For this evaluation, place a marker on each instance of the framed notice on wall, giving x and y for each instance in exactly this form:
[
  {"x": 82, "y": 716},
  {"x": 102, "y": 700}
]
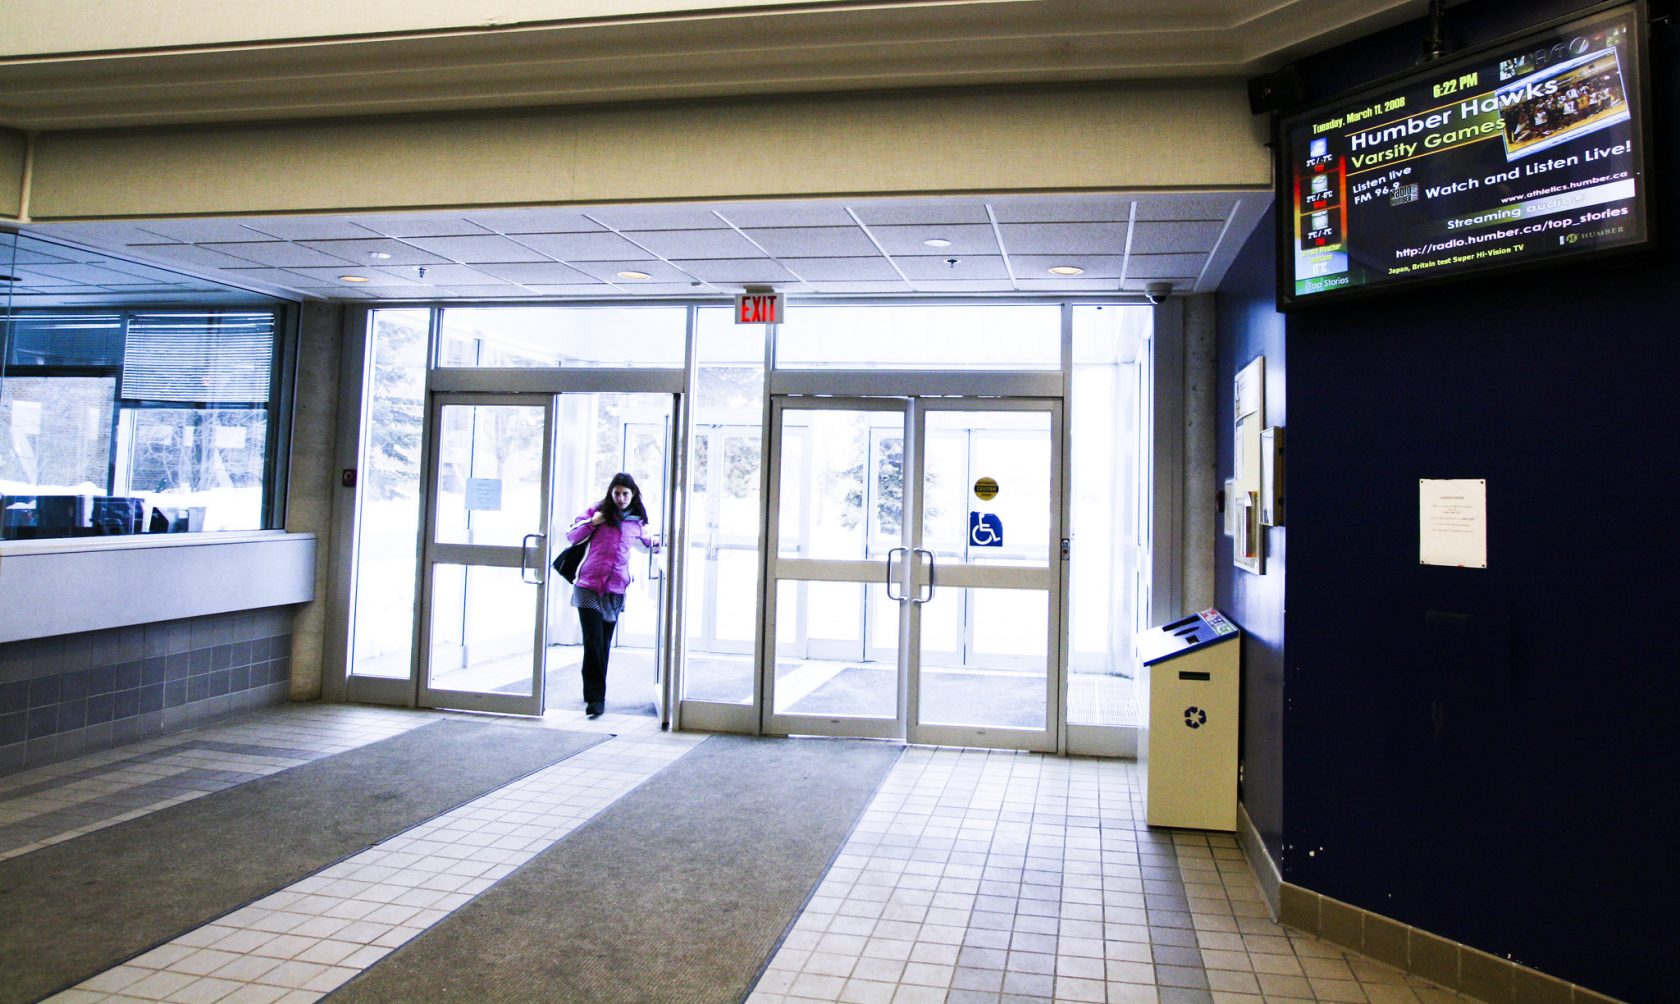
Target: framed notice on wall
[{"x": 1248, "y": 542}]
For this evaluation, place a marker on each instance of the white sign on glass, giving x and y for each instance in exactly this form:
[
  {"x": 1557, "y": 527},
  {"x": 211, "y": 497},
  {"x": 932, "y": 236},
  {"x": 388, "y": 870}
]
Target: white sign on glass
[{"x": 484, "y": 494}]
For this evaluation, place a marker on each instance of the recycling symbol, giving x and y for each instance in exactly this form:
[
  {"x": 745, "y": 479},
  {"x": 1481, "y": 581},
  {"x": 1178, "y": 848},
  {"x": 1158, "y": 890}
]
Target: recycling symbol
[{"x": 1194, "y": 717}]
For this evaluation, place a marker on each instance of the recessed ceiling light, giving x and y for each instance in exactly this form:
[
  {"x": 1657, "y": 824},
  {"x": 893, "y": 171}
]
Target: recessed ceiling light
[
  {"x": 1066, "y": 269},
  {"x": 354, "y": 278},
  {"x": 378, "y": 255},
  {"x": 936, "y": 242},
  {"x": 634, "y": 275}
]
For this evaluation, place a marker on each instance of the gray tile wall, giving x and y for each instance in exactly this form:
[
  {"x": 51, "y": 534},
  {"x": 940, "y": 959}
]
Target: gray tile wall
[{"x": 61, "y": 697}]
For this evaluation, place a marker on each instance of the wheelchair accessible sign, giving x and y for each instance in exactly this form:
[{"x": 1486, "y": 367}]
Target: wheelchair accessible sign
[{"x": 985, "y": 529}]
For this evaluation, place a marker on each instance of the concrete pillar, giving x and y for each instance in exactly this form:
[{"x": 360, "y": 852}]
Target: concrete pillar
[
  {"x": 1201, "y": 467},
  {"x": 310, "y": 485}
]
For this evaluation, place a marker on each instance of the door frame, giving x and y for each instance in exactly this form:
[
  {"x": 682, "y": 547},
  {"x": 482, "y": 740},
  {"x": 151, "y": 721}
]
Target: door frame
[
  {"x": 1050, "y": 580},
  {"x": 914, "y": 576},
  {"x": 864, "y": 571},
  {"x": 434, "y": 554},
  {"x": 528, "y": 386}
]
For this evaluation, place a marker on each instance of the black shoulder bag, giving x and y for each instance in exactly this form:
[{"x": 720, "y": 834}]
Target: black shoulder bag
[{"x": 569, "y": 560}]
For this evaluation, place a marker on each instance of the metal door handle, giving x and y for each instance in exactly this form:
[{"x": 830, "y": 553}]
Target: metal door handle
[
  {"x": 525, "y": 570},
  {"x": 890, "y": 554},
  {"x": 929, "y": 596}
]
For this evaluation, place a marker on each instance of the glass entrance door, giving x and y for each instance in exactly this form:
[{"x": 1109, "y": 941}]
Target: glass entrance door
[
  {"x": 486, "y": 551},
  {"x": 604, "y": 433},
  {"x": 914, "y": 586},
  {"x": 986, "y": 630}
]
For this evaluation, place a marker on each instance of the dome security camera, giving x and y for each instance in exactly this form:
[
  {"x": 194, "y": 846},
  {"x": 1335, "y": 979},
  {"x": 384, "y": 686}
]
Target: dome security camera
[{"x": 1157, "y": 292}]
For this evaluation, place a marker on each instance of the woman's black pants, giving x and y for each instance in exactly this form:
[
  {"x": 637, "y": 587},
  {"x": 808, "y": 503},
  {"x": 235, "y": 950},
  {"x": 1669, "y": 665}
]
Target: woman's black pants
[{"x": 597, "y": 642}]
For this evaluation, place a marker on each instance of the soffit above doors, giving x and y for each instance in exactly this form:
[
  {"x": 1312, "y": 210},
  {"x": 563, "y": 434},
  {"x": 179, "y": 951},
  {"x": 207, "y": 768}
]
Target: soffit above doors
[{"x": 1002, "y": 245}]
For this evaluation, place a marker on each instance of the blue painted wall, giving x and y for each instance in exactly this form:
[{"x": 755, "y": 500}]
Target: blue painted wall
[
  {"x": 1250, "y": 326},
  {"x": 1484, "y": 754}
]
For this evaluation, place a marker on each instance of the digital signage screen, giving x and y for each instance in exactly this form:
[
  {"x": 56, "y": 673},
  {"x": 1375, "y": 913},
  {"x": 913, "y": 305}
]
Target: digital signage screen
[{"x": 1519, "y": 153}]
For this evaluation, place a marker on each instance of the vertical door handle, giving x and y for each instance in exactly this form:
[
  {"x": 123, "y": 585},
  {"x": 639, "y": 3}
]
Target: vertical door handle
[
  {"x": 929, "y": 596},
  {"x": 525, "y": 570},
  {"x": 896, "y": 550}
]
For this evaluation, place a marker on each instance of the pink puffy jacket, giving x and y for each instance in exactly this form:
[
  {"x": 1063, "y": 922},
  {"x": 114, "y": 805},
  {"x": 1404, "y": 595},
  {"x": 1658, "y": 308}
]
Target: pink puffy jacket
[{"x": 606, "y": 567}]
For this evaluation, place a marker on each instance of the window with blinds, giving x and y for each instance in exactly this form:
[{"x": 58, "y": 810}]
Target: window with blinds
[{"x": 209, "y": 356}]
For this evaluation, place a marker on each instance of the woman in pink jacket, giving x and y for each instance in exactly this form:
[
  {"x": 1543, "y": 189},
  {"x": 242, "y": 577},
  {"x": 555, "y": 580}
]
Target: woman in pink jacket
[{"x": 611, "y": 525}]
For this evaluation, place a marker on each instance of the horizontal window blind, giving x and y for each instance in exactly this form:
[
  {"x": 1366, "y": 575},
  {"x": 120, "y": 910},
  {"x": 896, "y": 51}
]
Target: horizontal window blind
[{"x": 209, "y": 356}]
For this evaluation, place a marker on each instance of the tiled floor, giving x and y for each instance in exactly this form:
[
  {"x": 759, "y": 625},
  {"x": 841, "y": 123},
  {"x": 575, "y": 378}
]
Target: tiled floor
[{"x": 973, "y": 877}]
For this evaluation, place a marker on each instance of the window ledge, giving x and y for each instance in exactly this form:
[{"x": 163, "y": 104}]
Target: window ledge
[
  {"x": 116, "y": 542},
  {"x": 69, "y": 585}
]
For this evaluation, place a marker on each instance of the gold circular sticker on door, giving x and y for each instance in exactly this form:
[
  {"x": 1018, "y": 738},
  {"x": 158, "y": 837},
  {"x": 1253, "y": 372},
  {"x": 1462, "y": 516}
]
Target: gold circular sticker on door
[{"x": 986, "y": 489}]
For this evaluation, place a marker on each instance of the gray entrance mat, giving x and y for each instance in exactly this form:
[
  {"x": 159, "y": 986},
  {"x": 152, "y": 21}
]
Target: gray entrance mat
[
  {"x": 72, "y": 910},
  {"x": 679, "y": 891}
]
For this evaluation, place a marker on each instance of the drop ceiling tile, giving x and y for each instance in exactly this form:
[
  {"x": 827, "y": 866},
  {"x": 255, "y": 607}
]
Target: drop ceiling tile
[
  {"x": 736, "y": 271},
  {"x": 280, "y": 254},
  {"x": 340, "y": 292},
  {"x": 881, "y": 286},
  {"x": 65, "y": 272},
  {"x": 277, "y": 276},
  {"x": 601, "y": 246},
  {"x": 44, "y": 284},
  {"x": 190, "y": 255},
  {"x": 309, "y": 228},
  {"x": 546, "y": 220},
  {"x": 920, "y": 268},
  {"x": 330, "y": 276},
  {"x": 1063, "y": 238},
  {"x": 626, "y": 218},
  {"x": 1185, "y": 207},
  {"x": 1051, "y": 283},
  {"x": 1096, "y": 266},
  {"x": 397, "y": 292},
  {"x": 592, "y": 290},
  {"x": 823, "y": 270},
  {"x": 480, "y": 291},
  {"x": 788, "y": 214},
  {"x": 478, "y": 250},
  {"x": 1171, "y": 238},
  {"x": 963, "y": 286},
  {"x": 673, "y": 244},
  {"x": 361, "y": 251},
  {"x": 1180, "y": 283},
  {"x": 965, "y": 238},
  {"x": 149, "y": 288},
  {"x": 113, "y": 235},
  {"x": 419, "y": 225},
  {"x": 607, "y": 271},
  {"x": 814, "y": 242},
  {"x": 27, "y": 252},
  {"x": 1159, "y": 266},
  {"x": 1063, "y": 209},
  {"x": 201, "y": 231},
  {"x": 887, "y": 212},
  {"x": 664, "y": 289},
  {"x": 441, "y": 275},
  {"x": 528, "y": 272},
  {"x": 150, "y": 273}
]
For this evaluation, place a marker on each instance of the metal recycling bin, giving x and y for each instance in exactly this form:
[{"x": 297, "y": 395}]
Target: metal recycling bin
[{"x": 1188, "y": 746}]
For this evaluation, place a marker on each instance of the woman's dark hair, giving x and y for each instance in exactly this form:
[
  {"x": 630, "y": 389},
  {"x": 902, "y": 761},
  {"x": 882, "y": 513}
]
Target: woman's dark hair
[{"x": 608, "y": 508}]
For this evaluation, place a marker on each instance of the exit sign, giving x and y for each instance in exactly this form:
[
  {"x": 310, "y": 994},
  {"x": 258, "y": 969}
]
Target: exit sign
[{"x": 758, "y": 308}]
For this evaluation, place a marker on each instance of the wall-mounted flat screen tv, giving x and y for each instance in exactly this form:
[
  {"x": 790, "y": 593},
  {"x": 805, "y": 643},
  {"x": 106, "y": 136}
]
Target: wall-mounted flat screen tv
[{"x": 1524, "y": 152}]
